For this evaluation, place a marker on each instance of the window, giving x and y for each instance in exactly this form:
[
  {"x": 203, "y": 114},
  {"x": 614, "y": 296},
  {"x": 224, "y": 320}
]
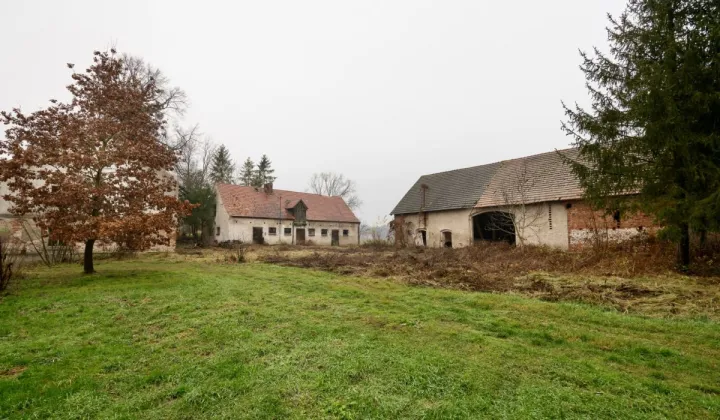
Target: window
[
  {"x": 550, "y": 216},
  {"x": 288, "y": 231},
  {"x": 616, "y": 218},
  {"x": 311, "y": 232},
  {"x": 346, "y": 232},
  {"x": 323, "y": 232},
  {"x": 217, "y": 231},
  {"x": 272, "y": 231}
]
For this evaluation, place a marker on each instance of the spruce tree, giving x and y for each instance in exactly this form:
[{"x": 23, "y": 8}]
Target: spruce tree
[
  {"x": 651, "y": 140},
  {"x": 222, "y": 166},
  {"x": 247, "y": 173},
  {"x": 263, "y": 173}
]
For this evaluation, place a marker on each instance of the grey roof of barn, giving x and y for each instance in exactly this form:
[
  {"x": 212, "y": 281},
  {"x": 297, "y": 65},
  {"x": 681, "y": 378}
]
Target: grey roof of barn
[{"x": 549, "y": 177}]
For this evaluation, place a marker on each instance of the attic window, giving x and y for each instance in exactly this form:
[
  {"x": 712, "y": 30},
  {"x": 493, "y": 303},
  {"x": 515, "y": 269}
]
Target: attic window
[
  {"x": 311, "y": 232},
  {"x": 288, "y": 231}
]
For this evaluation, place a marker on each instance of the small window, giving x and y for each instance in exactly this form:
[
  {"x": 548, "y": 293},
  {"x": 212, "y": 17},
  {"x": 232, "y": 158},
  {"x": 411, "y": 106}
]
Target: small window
[
  {"x": 346, "y": 232},
  {"x": 288, "y": 231},
  {"x": 272, "y": 231},
  {"x": 217, "y": 231},
  {"x": 311, "y": 232},
  {"x": 323, "y": 232}
]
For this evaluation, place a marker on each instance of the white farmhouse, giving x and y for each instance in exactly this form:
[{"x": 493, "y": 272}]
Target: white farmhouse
[{"x": 266, "y": 215}]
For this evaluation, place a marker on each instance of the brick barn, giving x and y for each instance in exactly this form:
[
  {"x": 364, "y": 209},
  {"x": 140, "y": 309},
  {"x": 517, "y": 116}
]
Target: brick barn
[{"x": 533, "y": 200}]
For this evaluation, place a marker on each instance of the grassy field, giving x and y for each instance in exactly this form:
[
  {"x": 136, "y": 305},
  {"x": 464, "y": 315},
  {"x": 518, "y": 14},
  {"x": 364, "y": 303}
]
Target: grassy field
[{"x": 164, "y": 338}]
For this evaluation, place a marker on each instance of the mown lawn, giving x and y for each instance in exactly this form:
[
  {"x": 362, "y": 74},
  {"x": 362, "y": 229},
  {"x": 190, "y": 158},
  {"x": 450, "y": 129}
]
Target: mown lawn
[{"x": 160, "y": 338}]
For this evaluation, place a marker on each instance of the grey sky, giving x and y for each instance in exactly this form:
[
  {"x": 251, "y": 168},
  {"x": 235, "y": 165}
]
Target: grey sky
[{"x": 382, "y": 91}]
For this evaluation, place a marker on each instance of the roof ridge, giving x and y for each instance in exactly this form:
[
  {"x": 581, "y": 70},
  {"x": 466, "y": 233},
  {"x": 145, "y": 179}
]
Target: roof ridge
[
  {"x": 499, "y": 161},
  {"x": 259, "y": 189}
]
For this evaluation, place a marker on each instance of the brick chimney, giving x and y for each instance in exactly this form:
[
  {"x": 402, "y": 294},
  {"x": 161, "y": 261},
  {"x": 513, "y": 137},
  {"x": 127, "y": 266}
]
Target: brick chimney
[{"x": 268, "y": 188}]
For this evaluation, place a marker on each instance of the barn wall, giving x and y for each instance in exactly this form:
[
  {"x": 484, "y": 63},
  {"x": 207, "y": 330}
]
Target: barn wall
[
  {"x": 587, "y": 226},
  {"x": 456, "y": 221},
  {"x": 537, "y": 230},
  {"x": 544, "y": 224}
]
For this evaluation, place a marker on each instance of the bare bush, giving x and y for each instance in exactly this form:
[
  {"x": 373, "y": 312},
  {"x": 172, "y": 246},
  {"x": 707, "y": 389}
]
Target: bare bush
[
  {"x": 236, "y": 253},
  {"x": 50, "y": 250}
]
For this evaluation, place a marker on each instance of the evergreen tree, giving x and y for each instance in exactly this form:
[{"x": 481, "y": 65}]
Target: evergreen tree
[
  {"x": 247, "y": 173},
  {"x": 263, "y": 173},
  {"x": 654, "y": 125},
  {"x": 222, "y": 166}
]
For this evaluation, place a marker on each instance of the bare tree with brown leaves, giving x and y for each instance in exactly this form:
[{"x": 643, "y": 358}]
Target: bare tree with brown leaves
[{"x": 105, "y": 173}]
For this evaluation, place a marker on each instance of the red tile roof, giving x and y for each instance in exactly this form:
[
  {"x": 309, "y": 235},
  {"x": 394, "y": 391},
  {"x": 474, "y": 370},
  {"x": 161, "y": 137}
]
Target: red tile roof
[{"x": 240, "y": 201}]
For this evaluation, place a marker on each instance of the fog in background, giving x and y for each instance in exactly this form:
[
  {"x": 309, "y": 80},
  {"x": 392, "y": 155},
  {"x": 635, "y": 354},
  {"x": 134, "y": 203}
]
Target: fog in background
[{"x": 381, "y": 91}]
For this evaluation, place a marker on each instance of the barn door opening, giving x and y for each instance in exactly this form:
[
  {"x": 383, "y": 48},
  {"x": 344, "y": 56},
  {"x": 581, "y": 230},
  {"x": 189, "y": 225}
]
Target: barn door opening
[
  {"x": 494, "y": 226},
  {"x": 335, "y": 237},
  {"x": 258, "y": 235},
  {"x": 300, "y": 236}
]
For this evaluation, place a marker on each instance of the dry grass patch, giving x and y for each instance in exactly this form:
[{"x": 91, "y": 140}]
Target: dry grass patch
[{"x": 634, "y": 277}]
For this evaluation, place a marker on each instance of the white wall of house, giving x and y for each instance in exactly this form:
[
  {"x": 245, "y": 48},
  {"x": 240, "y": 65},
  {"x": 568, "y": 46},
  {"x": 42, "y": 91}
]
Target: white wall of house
[
  {"x": 283, "y": 231},
  {"x": 546, "y": 224},
  {"x": 241, "y": 229}
]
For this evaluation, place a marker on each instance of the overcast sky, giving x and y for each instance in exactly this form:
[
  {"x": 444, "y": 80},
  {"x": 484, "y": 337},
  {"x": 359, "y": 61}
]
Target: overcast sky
[{"x": 381, "y": 91}]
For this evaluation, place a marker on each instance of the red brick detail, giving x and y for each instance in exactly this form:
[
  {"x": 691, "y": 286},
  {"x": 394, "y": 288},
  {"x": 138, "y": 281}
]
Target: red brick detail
[
  {"x": 581, "y": 216},
  {"x": 583, "y": 222}
]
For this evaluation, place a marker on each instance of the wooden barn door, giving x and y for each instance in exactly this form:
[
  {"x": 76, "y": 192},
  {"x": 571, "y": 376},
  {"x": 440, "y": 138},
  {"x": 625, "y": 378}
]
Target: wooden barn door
[
  {"x": 257, "y": 235},
  {"x": 300, "y": 236},
  {"x": 335, "y": 237}
]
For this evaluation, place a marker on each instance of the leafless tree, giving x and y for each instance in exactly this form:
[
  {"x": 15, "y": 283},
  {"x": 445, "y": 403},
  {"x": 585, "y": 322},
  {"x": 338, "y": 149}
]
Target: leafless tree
[
  {"x": 173, "y": 99},
  {"x": 518, "y": 215},
  {"x": 332, "y": 184},
  {"x": 196, "y": 153}
]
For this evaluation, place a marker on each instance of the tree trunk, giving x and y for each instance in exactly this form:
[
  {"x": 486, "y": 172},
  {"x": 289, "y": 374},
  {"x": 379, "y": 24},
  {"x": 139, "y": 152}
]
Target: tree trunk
[
  {"x": 684, "y": 245},
  {"x": 88, "y": 257}
]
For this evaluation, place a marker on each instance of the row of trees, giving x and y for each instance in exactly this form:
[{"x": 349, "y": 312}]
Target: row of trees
[{"x": 223, "y": 170}]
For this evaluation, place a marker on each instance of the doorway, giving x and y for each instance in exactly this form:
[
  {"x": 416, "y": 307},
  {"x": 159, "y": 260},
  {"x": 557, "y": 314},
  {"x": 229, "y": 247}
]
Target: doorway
[
  {"x": 300, "y": 236},
  {"x": 335, "y": 240},
  {"x": 258, "y": 235},
  {"x": 447, "y": 239}
]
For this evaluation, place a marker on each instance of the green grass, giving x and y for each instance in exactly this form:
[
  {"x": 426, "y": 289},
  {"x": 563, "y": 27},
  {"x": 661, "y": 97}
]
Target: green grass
[{"x": 158, "y": 338}]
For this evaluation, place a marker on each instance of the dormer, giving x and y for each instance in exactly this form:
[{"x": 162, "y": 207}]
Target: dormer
[{"x": 299, "y": 211}]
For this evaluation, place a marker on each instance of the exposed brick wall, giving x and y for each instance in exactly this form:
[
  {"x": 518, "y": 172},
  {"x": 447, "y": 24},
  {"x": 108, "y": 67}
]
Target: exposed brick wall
[{"x": 586, "y": 226}]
